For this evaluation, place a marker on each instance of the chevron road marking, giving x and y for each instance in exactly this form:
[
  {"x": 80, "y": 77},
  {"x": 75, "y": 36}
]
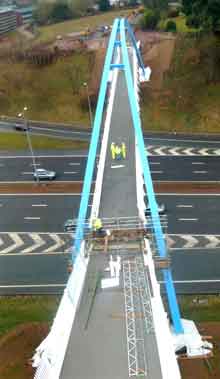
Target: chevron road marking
[
  {"x": 18, "y": 242},
  {"x": 214, "y": 242},
  {"x": 38, "y": 243},
  {"x": 196, "y": 241},
  {"x": 58, "y": 244},
  {"x": 181, "y": 151},
  {"x": 191, "y": 241}
]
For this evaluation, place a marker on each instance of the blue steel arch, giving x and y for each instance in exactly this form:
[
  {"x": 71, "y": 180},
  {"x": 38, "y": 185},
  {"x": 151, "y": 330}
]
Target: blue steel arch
[
  {"x": 174, "y": 309},
  {"x": 94, "y": 143},
  {"x": 120, "y": 27}
]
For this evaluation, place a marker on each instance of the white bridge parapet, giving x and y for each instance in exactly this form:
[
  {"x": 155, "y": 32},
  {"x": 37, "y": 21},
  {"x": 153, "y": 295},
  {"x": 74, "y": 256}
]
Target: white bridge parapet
[
  {"x": 103, "y": 152},
  {"x": 168, "y": 342},
  {"x": 50, "y": 354}
]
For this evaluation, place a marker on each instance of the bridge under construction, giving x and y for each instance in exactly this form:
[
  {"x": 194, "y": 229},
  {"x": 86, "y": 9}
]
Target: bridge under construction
[{"x": 112, "y": 322}]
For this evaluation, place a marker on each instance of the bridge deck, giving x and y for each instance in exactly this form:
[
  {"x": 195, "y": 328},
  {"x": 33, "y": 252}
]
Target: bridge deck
[{"x": 98, "y": 344}]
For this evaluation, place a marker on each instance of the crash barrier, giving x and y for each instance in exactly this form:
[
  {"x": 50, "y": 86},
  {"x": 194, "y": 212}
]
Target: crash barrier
[{"x": 49, "y": 356}]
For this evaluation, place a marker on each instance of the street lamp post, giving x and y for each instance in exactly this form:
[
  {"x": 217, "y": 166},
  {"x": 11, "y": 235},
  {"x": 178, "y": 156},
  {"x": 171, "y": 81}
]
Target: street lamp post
[
  {"x": 89, "y": 104},
  {"x": 29, "y": 140}
]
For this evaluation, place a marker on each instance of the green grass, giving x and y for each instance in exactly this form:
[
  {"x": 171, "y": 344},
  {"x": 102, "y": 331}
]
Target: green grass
[
  {"x": 48, "y": 33},
  {"x": 46, "y": 98},
  {"x": 180, "y": 24},
  {"x": 18, "y": 141},
  {"x": 205, "y": 312},
  {"x": 16, "y": 310}
]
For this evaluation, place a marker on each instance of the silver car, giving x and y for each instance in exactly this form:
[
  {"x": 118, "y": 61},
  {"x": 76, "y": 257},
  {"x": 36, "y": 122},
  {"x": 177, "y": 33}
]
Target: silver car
[
  {"x": 161, "y": 209},
  {"x": 41, "y": 174}
]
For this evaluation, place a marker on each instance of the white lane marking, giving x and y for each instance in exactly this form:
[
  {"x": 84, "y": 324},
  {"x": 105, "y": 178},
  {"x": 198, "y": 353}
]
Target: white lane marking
[
  {"x": 156, "y": 172},
  {"x": 43, "y": 156},
  {"x": 41, "y": 194},
  {"x": 38, "y": 243},
  {"x": 195, "y": 281},
  {"x": 36, "y": 164},
  {"x": 58, "y": 240},
  {"x": 31, "y": 218},
  {"x": 29, "y": 181},
  {"x": 18, "y": 242},
  {"x": 60, "y": 130},
  {"x": 118, "y": 166},
  {"x": 70, "y": 172},
  {"x": 154, "y": 162},
  {"x": 74, "y": 164},
  {"x": 180, "y": 140},
  {"x": 39, "y": 205},
  {"x": 89, "y": 205},
  {"x": 198, "y": 163},
  {"x": 32, "y": 285},
  {"x": 2, "y": 165},
  {"x": 27, "y": 173},
  {"x": 188, "y": 219},
  {"x": 187, "y": 194},
  {"x": 199, "y": 172},
  {"x": 184, "y": 206}
]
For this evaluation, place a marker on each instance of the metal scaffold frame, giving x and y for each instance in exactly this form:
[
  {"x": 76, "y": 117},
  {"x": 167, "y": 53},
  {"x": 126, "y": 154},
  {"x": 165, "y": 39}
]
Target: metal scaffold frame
[{"x": 135, "y": 345}]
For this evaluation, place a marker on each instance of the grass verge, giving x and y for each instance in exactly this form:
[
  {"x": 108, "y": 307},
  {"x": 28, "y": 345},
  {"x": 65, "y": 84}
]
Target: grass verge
[
  {"x": 16, "y": 310},
  {"x": 48, "y": 33},
  {"x": 17, "y": 141},
  {"x": 204, "y": 308}
]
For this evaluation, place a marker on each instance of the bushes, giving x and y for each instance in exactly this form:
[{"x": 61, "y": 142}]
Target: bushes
[
  {"x": 150, "y": 19},
  {"x": 171, "y": 26}
]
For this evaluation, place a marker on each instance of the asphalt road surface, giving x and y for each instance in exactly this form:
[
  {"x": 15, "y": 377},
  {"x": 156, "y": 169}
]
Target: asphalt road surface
[
  {"x": 186, "y": 214},
  {"x": 71, "y": 167}
]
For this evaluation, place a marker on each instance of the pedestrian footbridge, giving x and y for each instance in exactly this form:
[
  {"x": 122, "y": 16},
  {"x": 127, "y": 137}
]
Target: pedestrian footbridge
[{"x": 111, "y": 322}]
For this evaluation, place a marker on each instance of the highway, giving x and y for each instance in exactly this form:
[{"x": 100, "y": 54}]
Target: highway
[
  {"x": 186, "y": 214},
  {"x": 71, "y": 167}
]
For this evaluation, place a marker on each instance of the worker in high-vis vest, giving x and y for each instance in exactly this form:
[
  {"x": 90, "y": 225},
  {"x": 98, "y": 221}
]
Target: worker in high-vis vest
[
  {"x": 97, "y": 224},
  {"x": 123, "y": 150},
  {"x": 117, "y": 152},
  {"x": 113, "y": 150}
]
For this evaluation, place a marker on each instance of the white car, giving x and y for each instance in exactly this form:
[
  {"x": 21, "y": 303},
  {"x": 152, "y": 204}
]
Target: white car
[
  {"x": 41, "y": 173},
  {"x": 161, "y": 209}
]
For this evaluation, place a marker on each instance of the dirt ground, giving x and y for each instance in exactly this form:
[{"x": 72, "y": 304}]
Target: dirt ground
[
  {"x": 17, "y": 347},
  {"x": 16, "y": 350},
  {"x": 157, "y": 51},
  {"x": 200, "y": 368}
]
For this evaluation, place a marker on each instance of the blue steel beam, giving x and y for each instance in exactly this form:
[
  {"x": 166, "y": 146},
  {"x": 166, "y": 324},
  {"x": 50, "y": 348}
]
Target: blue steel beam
[
  {"x": 131, "y": 33},
  {"x": 93, "y": 144},
  {"x": 174, "y": 309}
]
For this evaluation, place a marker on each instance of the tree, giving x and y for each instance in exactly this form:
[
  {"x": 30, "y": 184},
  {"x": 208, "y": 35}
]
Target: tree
[
  {"x": 203, "y": 13},
  {"x": 155, "y": 4},
  {"x": 104, "y": 5},
  {"x": 171, "y": 26},
  {"x": 150, "y": 19},
  {"x": 60, "y": 12},
  {"x": 79, "y": 7}
]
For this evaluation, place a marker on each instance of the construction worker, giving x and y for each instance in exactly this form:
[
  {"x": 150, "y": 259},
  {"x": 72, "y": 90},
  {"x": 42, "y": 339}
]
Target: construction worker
[
  {"x": 123, "y": 150},
  {"x": 98, "y": 228},
  {"x": 117, "y": 152},
  {"x": 113, "y": 150}
]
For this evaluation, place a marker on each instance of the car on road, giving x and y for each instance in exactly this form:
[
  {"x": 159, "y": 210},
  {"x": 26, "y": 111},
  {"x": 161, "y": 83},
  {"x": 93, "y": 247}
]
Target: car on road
[
  {"x": 20, "y": 127},
  {"x": 41, "y": 174},
  {"x": 70, "y": 225},
  {"x": 161, "y": 209}
]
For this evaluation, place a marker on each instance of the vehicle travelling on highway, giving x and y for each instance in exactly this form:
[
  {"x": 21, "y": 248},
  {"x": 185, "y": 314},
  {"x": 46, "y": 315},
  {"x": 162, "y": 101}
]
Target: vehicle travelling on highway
[
  {"x": 70, "y": 226},
  {"x": 41, "y": 174},
  {"x": 161, "y": 209},
  {"x": 20, "y": 127}
]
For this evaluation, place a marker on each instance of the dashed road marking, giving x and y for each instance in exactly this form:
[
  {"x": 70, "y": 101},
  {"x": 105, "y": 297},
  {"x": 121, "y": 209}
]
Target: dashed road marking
[
  {"x": 188, "y": 219},
  {"x": 31, "y": 218}
]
